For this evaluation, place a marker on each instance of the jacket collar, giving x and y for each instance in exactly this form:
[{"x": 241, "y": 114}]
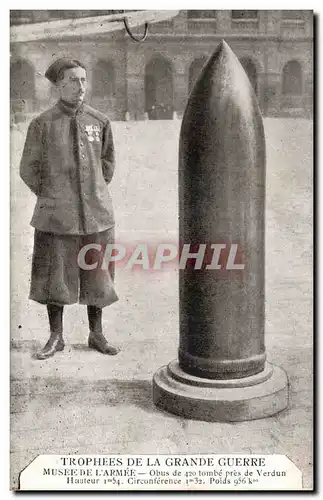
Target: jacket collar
[{"x": 70, "y": 110}]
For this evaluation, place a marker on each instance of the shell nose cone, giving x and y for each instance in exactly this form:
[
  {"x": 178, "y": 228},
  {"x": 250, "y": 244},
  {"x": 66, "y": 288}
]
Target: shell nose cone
[
  {"x": 223, "y": 78},
  {"x": 222, "y": 125},
  {"x": 223, "y": 48},
  {"x": 223, "y": 61},
  {"x": 222, "y": 90}
]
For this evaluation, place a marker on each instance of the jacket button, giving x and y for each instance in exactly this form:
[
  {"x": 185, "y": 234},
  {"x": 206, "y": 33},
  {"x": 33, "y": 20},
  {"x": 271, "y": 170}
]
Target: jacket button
[
  {"x": 81, "y": 144},
  {"x": 82, "y": 156}
]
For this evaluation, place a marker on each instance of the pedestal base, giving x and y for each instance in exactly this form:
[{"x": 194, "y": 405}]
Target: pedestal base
[{"x": 234, "y": 400}]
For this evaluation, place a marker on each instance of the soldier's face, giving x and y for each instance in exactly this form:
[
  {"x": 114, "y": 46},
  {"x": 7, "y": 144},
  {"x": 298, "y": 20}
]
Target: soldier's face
[{"x": 72, "y": 86}]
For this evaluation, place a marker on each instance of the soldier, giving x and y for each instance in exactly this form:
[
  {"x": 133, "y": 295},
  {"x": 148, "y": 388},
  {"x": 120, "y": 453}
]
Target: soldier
[{"x": 68, "y": 162}]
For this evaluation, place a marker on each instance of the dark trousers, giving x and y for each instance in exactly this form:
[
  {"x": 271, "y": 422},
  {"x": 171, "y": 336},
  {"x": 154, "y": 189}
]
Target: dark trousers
[{"x": 56, "y": 277}]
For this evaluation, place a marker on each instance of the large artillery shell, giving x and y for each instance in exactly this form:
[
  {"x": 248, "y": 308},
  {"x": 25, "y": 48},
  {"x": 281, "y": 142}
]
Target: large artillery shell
[{"x": 221, "y": 199}]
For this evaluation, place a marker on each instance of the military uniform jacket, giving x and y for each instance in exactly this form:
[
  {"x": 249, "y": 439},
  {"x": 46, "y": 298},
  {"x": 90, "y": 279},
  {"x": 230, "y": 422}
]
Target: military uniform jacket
[{"x": 68, "y": 162}]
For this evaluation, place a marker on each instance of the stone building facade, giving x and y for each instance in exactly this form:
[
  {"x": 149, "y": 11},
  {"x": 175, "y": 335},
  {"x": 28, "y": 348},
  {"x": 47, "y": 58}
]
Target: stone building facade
[{"x": 153, "y": 79}]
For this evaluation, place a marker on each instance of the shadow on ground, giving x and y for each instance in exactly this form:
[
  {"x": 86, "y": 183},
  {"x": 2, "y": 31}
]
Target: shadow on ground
[{"x": 57, "y": 392}]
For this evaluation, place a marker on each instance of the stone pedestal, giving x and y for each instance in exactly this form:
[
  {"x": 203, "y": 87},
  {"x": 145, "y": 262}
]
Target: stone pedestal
[
  {"x": 222, "y": 373},
  {"x": 214, "y": 400}
]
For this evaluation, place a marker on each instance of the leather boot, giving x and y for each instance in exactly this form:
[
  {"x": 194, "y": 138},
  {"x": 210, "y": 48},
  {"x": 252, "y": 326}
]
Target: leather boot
[
  {"x": 54, "y": 344},
  {"x": 98, "y": 341}
]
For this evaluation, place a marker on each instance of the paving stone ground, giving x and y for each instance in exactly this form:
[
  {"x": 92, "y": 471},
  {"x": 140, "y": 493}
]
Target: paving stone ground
[{"x": 83, "y": 402}]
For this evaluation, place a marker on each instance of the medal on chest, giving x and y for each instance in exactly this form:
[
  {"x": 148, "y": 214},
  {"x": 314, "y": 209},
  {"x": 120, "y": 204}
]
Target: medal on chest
[{"x": 93, "y": 133}]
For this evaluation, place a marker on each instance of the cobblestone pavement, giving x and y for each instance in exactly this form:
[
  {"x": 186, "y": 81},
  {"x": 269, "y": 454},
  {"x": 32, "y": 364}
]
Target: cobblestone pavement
[{"x": 83, "y": 402}]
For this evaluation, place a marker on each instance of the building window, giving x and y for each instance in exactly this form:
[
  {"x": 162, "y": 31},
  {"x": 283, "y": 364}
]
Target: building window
[
  {"x": 195, "y": 70},
  {"x": 251, "y": 71},
  {"x": 201, "y": 14},
  {"x": 297, "y": 15},
  {"x": 201, "y": 21},
  {"x": 76, "y": 14},
  {"x": 22, "y": 86},
  {"x": 159, "y": 89},
  {"x": 163, "y": 26},
  {"x": 104, "y": 79},
  {"x": 104, "y": 12},
  {"x": 292, "y": 79},
  {"x": 22, "y": 80},
  {"x": 168, "y": 23},
  {"x": 244, "y": 14},
  {"x": 21, "y": 17}
]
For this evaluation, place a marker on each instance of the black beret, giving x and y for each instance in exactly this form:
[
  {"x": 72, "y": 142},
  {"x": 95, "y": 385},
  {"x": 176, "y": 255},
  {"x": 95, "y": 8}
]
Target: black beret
[{"x": 60, "y": 64}]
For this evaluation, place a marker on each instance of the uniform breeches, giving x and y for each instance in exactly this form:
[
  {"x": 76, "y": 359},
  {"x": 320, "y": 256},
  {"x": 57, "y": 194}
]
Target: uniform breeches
[{"x": 57, "y": 278}]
